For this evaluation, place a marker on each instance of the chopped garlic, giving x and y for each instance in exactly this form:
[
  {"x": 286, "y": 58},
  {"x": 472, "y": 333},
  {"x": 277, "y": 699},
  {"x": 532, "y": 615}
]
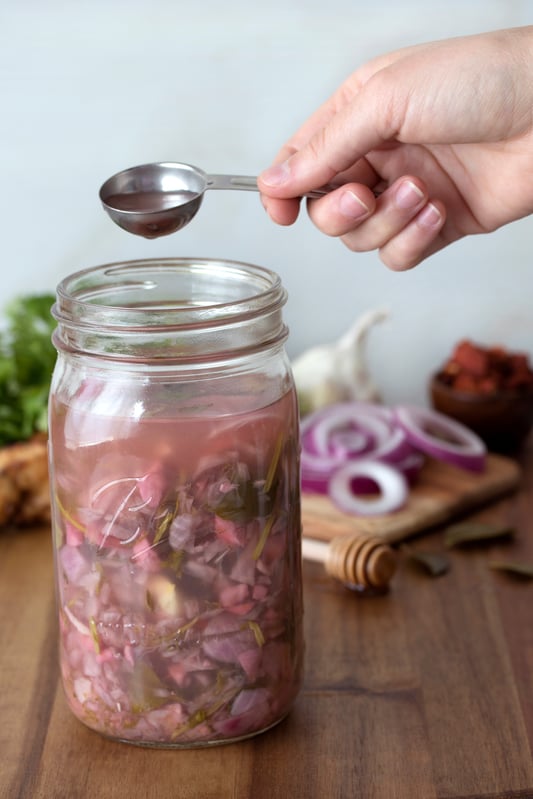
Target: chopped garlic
[{"x": 162, "y": 595}]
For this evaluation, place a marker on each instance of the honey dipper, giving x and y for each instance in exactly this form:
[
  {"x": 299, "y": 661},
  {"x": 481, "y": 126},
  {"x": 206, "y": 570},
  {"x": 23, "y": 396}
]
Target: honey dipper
[{"x": 361, "y": 560}]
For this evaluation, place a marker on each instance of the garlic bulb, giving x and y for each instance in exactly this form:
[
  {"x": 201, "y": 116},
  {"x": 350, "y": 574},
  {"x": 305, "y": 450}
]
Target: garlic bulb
[{"x": 337, "y": 372}]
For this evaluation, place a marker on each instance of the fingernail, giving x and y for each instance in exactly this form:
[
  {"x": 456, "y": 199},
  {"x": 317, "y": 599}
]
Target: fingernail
[
  {"x": 408, "y": 195},
  {"x": 351, "y": 206},
  {"x": 276, "y": 175},
  {"x": 430, "y": 216}
]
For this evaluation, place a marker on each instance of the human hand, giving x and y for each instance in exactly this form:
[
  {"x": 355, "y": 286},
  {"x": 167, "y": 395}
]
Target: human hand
[{"x": 442, "y": 133}]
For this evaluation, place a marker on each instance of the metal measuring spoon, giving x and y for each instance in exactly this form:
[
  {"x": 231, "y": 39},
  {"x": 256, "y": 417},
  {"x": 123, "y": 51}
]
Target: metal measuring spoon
[{"x": 157, "y": 199}]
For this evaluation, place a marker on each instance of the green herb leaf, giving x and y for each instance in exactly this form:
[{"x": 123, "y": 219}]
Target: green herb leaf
[
  {"x": 163, "y": 519},
  {"x": 475, "y": 532},
  {"x": 245, "y": 502},
  {"x": 434, "y": 563},
  {"x": 27, "y": 358},
  {"x": 519, "y": 569}
]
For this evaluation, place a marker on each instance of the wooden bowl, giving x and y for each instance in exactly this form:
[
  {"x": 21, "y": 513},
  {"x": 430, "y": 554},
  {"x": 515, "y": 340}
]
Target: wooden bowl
[{"x": 503, "y": 420}]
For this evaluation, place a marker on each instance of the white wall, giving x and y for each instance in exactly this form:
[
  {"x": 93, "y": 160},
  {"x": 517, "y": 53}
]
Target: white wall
[{"x": 88, "y": 88}]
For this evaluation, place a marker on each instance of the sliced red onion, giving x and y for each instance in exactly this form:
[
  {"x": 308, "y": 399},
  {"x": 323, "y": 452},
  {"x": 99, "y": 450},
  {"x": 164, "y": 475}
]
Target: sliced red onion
[
  {"x": 410, "y": 466},
  {"x": 314, "y": 483},
  {"x": 349, "y": 431},
  {"x": 345, "y": 445},
  {"x": 311, "y": 459},
  {"x": 352, "y": 416},
  {"x": 320, "y": 464},
  {"x": 349, "y": 443},
  {"x": 391, "y": 483},
  {"x": 441, "y": 437},
  {"x": 395, "y": 449}
]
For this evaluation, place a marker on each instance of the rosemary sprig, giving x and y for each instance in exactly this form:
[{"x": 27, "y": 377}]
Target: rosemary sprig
[
  {"x": 64, "y": 512},
  {"x": 164, "y": 517},
  {"x": 94, "y": 635},
  {"x": 257, "y": 631},
  {"x": 271, "y": 473},
  {"x": 265, "y": 532}
]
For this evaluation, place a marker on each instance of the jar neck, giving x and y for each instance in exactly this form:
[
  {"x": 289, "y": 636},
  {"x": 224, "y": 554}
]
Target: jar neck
[{"x": 173, "y": 310}]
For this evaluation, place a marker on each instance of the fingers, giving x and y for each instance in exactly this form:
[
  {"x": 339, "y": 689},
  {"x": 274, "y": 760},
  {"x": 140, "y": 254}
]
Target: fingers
[
  {"x": 402, "y": 224},
  {"x": 417, "y": 240},
  {"x": 340, "y": 213},
  {"x": 283, "y": 212}
]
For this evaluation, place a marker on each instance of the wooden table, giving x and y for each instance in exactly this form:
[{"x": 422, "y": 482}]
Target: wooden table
[{"x": 424, "y": 692}]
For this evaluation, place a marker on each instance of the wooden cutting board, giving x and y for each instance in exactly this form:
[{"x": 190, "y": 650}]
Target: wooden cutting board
[{"x": 440, "y": 494}]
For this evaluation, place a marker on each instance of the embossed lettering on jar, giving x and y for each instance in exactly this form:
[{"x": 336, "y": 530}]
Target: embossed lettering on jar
[{"x": 175, "y": 480}]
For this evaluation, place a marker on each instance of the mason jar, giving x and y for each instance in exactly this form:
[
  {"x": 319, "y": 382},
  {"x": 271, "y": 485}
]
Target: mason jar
[{"x": 174, "y": 466}]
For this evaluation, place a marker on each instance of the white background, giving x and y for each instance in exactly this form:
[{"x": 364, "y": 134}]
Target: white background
[{"x": 89, "y": 88}]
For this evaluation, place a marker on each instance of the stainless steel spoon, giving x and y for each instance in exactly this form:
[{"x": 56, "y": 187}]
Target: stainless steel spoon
[{"x": 157, "y": 199}]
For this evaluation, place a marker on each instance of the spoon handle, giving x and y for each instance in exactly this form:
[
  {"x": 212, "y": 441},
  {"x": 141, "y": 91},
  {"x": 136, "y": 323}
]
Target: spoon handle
[
  {"x": 249, "y": 183},
  {"x": 242, "y": 182}
]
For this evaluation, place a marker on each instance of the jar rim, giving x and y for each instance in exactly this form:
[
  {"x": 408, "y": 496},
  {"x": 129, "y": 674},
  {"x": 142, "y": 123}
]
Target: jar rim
[
  {"x": 80, "y": 295},
  {"x": 211, "y": 304}
]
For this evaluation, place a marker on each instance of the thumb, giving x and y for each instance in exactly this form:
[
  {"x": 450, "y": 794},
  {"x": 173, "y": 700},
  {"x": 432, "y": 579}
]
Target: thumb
[{"x": 348, "y": 136}]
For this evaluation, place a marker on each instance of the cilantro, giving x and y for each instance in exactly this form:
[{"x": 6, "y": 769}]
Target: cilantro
[{"x": 27, "y": 358}]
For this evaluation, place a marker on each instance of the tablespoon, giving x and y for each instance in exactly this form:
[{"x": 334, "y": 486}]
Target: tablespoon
[{"x": 154, "y": 200}]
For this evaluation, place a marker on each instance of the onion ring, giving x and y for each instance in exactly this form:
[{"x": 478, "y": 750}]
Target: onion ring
[
  {"x": 391, "y": 483},
  {"x": 441, "y": 437},
  {"x": 345, "y": 446},
  {"x": 356, "y": 416}
]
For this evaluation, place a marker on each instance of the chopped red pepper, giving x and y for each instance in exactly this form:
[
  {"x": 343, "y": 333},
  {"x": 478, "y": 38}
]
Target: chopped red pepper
[{"x": 475, "y": 369}]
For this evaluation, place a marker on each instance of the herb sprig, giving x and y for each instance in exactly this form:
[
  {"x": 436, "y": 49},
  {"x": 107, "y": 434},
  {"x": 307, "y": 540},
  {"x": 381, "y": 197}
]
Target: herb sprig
[{"x": 27, "y": 358}]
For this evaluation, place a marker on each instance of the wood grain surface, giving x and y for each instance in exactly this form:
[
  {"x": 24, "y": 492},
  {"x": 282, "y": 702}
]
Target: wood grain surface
[
  {"x": 440, "y": 493},
  {"x": 425, "y": 692}
]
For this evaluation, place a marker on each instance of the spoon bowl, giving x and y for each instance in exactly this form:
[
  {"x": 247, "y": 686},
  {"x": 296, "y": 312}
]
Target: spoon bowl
[{"x": 154, "y": 200}]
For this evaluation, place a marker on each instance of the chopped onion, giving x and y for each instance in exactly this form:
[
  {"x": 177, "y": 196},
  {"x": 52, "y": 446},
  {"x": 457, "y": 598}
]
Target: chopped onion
[
  {"x": 441, "y": 437},
  {"x": 391, "y": 483}
]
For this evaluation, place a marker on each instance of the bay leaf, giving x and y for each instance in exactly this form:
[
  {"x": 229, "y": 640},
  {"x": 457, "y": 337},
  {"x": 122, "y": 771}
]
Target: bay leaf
[
  {"x": 517, "y": 568},
  {"x": 475, "y": 532},
  {"x": 434, "y": 563}
]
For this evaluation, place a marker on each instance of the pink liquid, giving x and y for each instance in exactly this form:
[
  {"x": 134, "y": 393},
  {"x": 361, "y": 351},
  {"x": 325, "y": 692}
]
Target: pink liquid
[{"x": 177, "y": 560}]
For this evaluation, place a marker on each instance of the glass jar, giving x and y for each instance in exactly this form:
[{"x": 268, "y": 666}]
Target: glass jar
[{"x": 174, "y": 465}]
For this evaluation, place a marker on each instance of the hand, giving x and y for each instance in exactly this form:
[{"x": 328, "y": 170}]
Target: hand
[{"x": 442, "y": 133}]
